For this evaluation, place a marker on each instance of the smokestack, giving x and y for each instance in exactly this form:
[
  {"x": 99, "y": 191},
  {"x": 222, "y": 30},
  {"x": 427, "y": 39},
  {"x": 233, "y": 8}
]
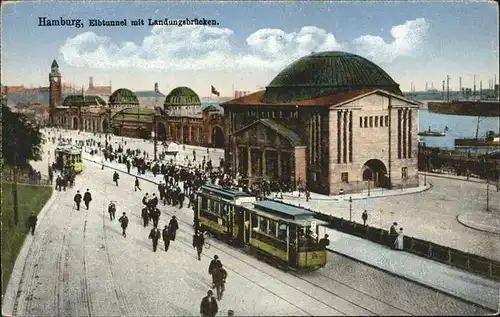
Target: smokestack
[
  {"x": 480, "y": 89},
  {"x": 91, "y": 82},
  {"x": 474, "y": 85},
  {"x": 442, "y": 95},
  {"x": 448, "y": 88},
  {"x": 460, "y": 83},
  {"x": 156, "y": 87},
  {"x": 426, "y": 86}
]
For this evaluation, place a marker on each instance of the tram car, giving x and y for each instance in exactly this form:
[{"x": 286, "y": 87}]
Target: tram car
[
  {"x": 69, "y": 156},
  {"x": 283, "y": 234}
]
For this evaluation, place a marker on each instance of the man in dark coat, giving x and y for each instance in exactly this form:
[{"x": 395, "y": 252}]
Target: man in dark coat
[
  {"x": 124, "y": 224},
  {"x": 116, "y": 177},
  {"x": 215, "y": 264},
  {"x": 77, "y": 199},
  {"x": 364, "y": 216},
  {"x": 87, "y": 198},
  {"x": 209, "y": 307},
  {"x": 155, "y": 236},
  {"x": 32, "y": 222},
  {"x": 166, "y": 237},
  {"x": 198, "y": 242},
  {"x": 393, "y": 234},
  {"x": 145, "y": 200},
  {"x": 111, "y": 210},
  {"x": 145, "y": 216},
  {"x": 172, "y": 227},
  {"x": 155, "y": 215},
  {"x": 137, "y": 184},
  {"x": 153, "y": 202}
]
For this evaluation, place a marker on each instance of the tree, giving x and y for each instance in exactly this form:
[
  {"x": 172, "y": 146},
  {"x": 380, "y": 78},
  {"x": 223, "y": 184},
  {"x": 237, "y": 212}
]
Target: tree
[{"x": 21, "y": 143}]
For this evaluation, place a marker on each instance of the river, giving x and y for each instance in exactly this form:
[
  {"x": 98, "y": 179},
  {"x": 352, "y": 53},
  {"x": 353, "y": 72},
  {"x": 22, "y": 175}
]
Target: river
[{"x": 459, "y": 127}]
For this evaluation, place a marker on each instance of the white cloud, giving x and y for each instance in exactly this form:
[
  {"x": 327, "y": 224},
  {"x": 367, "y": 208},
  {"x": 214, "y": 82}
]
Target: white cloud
[
  {"x": 408, "y": 40},
  {"x": 207, "y": 47}
]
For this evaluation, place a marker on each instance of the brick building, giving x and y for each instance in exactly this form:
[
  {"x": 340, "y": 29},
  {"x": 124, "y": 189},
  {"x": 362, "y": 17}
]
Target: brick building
[{"x": 332, "y": 120}]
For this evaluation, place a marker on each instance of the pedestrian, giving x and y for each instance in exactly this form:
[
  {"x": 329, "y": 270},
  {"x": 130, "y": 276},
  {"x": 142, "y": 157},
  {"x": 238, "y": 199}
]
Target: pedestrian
[
  {"x": 166, "y": 237},
  {"x": 155, "y": 215},
  {"x": 137, "y": 184},
  {"x": 111, "y": 210},
  {"x": 154, "y": 235},
  {"x": 198, "y": 242},
  {"x": 153, "y": 202},
  {"x": 32, "y": 222},
  {"x": 145, "y": 200},
  {"x": 209, "y": 307},
  {"x": 393, "y": 234},
  {"x": 77, "y": 199},
  {"x": 145, "y": 216},
  {"x": 214, "y": 265},
  {"x": 308, "y": 195},
  {"x": 364, "y": 216},
  {"x": 172, "y": 227},
  {"x": 324, "y": 242},
  {"x": 116, "y": 177},
  {"x": 399, "y": 242},
  {"x": 87, "y": 198},
  {"x": 124, "y": 224}
]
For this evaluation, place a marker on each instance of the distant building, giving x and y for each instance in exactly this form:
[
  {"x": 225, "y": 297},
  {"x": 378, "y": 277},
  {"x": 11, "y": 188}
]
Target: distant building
[
  {"x": 241, "y": 93},
  {"x": 98, "y": 90},
  {"x": 150, "y": 98}
]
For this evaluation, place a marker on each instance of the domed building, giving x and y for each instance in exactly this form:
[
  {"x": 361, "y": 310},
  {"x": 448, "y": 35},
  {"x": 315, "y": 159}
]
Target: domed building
[
  {"x": 187, "y": 123},
  {"x": 330, "y": 122},
  {"x": 122, "y": 98}
]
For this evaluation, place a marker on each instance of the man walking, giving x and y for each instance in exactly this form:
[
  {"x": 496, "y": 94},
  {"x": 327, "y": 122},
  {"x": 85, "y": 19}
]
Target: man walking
[
  {"x": 32, "y": 222},
  {"x": 393, "y": 234},
  {"x": 166, "y": 237},
  {"x": 364, "y": 216},
  {"x": 198, "y": 242},
  {"x": 87, "y": 198},
  {"x": 111, "y": 210},
  {"x": 155, "y": 215},
  {"x": 172, "y": 227},
  {"x": 145, "y": 216},
  {"x": 155, "y": 236},
  {"x": 116, "y": 177},
  {"x": 124, "y": 224},
  {"x": 137, "y": 184},
  {"x": 208, "y": 306},
  {"x": 78, "y": 199}
]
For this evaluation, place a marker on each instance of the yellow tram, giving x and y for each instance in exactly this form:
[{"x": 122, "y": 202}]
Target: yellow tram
[
  {"x": 69, "y": 156},
  {"x": 284, "y": 234}
]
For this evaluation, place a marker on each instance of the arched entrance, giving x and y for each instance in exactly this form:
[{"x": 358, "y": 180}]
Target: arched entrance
[
  {"x": 75, "y": 123},
  {"x": 161, "y": 133},
  {"x": 217, "y": 137},
  {"x": 185, "y": 134},
  {"x": 375, "y": 171},
  {"x": 104, "y": 125}
]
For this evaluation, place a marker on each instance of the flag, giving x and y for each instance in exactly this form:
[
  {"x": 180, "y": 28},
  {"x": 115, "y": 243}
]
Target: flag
[{"x": 215, "y": 92}]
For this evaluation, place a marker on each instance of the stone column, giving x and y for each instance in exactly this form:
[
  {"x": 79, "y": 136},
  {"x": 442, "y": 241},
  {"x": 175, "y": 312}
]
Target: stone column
[
  {"x": 263, "y": 162},
  {"x": 249, "y": 157},
  {"x": 279, "y": 163}
]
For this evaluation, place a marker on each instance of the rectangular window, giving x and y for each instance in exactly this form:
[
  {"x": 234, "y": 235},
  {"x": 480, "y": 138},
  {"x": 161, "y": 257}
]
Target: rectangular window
[
  {"x": 371, "y": 122},
  {"x": 263, "y": 225},
  {"x": 366, "y": 122},
  {"x": 404, "y": 173},
  {"x": 360, "y": 122},
  {"x": 376, "y": 122},
  {"x": 381, "y": 121},
  {"x": 386, "y": 121},
  {"x": 339, "y": 141},
  {"x": 344, "y": 178}
]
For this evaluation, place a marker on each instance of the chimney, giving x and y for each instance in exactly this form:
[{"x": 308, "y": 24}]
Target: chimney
[
  {"x": 91, "y": 82},
  {"x": 156, "y": 87}
]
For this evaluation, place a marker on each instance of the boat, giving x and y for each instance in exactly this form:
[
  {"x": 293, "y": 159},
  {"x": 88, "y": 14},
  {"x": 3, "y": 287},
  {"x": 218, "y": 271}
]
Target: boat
[
  {"x": 433, "y": 133},
  {"x": 477, "y": 142}
]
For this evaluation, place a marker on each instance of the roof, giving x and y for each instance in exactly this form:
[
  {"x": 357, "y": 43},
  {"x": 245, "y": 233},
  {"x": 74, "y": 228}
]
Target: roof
[
  {"x": 284, "y": 210},
  {"x": 83, "y": 101},
  {"x": 148, "y": 94},
  {"x": 135, "y": 114},
  {"x": 102, "y": 90},
  {"x": 324, "y": 73},
  {"x": 182, "y": 96},
  {"x": 54, "y": 64},
  {"x": 123, "y": 96},
  {"x": 282, "y": 130},
  {"x": 225, "y": 192}
]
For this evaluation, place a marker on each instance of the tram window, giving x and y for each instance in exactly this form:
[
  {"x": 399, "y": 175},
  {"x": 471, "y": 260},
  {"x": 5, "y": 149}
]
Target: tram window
[
  {"x": 263, "y": 225},
  {"x": 273, "y": 228},
  {"x": 282, "y": 231},
  {"x": 204, "y": 203},
  {"x": 255, "y": 222}
]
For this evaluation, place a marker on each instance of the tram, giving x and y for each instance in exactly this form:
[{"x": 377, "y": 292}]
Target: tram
[
  {"x": 69, "y": 156},
  {"x": 283, "y": 234}
]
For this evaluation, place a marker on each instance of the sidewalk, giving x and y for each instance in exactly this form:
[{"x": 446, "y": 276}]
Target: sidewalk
[
  {"x": 432, "y": 274},
  {"x": 450, "y": 280}
]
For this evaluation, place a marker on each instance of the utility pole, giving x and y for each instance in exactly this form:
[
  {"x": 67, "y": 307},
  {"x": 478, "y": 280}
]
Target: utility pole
[
  {"x": 443, "y": 92},
  {"x": 350, "y": 208}
]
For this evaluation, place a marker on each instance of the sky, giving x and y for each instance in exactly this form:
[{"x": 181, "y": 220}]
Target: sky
[{"x": 249, "y": 43}]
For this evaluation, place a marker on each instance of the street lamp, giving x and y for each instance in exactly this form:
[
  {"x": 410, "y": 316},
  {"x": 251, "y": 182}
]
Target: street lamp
[{"x": 350, "y": 208}]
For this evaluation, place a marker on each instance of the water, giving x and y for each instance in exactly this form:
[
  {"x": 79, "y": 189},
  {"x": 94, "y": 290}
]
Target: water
[{"x": 459, "y": 127}]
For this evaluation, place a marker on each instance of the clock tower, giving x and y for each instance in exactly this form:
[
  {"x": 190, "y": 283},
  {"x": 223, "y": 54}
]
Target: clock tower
[{"x": 54, "y": 90}]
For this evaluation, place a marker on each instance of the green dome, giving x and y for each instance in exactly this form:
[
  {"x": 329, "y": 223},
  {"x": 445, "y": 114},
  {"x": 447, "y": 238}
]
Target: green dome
[
  {"x": 182, "y": 96},
  {"x": 123, "y": 96},
  {"x": 321, "y": 74},
  {"x": 83, "y": 101}
]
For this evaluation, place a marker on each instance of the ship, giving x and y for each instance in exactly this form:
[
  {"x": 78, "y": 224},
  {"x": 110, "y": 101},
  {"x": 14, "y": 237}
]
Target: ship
[
  {"x": 433, "y": 133},
  {"x": 478, "y": 142}
]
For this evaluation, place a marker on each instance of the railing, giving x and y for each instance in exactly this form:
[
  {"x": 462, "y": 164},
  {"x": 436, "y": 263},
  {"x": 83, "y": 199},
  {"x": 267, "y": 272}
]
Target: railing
[
  {"x": 463, "y": 260},
  {"x": 44, "y": 180}
]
